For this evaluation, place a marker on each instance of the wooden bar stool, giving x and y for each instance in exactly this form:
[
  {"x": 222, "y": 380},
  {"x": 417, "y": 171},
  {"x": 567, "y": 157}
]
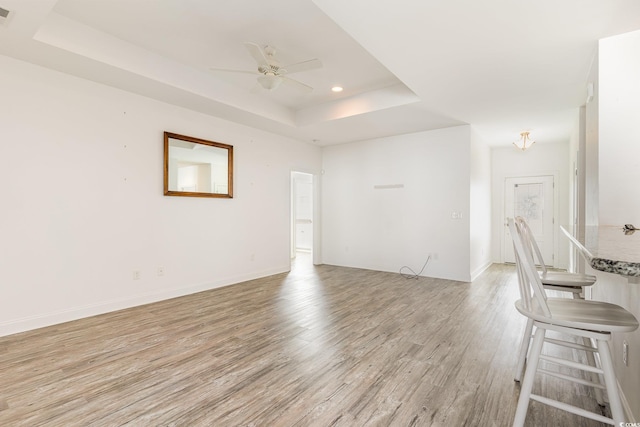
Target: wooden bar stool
[
  {"x": 574, "y": 283},
  {"x": 593, "y": 320}
]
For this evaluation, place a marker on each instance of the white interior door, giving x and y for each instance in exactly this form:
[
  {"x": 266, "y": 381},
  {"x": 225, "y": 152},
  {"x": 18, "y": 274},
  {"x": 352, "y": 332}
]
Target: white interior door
[{"x": 533, "y": 199}]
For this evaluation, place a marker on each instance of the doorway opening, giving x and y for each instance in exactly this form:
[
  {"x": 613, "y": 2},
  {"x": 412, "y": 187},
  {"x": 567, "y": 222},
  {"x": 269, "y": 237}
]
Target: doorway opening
[{"x": 302, "y": 218}]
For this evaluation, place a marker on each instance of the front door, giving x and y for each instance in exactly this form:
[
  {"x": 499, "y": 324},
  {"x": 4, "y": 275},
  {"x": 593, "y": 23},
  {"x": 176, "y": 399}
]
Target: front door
[{"x": 531, "y": 198}]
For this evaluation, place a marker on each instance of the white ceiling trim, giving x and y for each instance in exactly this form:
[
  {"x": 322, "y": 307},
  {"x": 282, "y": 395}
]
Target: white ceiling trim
[
  {"x": 375, "y": 100},
  {"x": 87, "y": 42}
]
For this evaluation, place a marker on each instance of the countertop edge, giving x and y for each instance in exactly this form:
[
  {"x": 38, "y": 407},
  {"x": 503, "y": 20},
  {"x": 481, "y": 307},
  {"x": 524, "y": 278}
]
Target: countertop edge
[{"x": 624, "y": 268}]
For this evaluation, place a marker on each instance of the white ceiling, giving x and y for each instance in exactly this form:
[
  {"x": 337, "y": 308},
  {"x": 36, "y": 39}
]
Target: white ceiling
[{"x": 406, "y": 65}]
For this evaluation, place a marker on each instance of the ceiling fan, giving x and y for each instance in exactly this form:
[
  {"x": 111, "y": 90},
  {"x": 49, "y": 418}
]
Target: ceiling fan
[{"x": 271, "y": 73}]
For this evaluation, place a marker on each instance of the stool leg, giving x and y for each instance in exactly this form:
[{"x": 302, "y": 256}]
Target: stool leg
[
  {"x": 591, "y": 360},
  {"x": 595, "y": 377},
  {"x": 529, "y": 375},
  {"x": 524, "y": 348},
  {"x": 610, "y": 382}
]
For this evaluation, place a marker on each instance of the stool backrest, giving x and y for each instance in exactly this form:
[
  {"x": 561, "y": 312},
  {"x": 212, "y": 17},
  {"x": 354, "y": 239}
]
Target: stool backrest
[
  {"x": 532, "y": 241},
  {"x": 583, "y": 251},
  {"x": 532, "y": 292}
]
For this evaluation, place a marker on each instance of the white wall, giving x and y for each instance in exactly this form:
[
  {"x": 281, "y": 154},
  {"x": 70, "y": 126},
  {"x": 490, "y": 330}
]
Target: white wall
[
  {"x": 541, "y": 159},
  {"x": 480, "y": 217},
  {"x": 83, "y": 204},
  {"x": 619, "y": 130},
  {"x": 385, "y": 229},
  {"x": 619, "y": 193},
  {"x": 591, "y": 150},
  {"x": 575, "y": 166}
]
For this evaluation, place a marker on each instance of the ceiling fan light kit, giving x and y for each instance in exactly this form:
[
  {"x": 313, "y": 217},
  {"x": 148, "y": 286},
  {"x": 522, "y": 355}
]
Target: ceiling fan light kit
[{"x": 269, "y": 81}]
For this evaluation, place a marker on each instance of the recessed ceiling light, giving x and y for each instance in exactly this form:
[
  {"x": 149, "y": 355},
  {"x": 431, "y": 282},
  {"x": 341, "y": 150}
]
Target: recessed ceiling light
[{"x": 336, "y": 89}]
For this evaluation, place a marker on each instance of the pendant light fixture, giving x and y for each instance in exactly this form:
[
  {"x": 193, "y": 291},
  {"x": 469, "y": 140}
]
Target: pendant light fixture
[{"x": 524, "y": 142}]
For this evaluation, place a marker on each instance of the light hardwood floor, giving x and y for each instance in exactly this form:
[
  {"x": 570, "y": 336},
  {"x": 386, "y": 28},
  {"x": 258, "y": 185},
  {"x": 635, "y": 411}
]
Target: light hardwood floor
[{"x": 320, "y": 346}]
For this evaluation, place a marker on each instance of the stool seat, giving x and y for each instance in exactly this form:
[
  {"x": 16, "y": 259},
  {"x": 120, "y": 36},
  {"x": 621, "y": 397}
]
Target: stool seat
[
  {"x": 589, "y": 315},
  {"x": 566, "y": 279}
]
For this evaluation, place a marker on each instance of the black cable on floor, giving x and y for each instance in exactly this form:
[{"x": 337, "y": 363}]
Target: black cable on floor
[{"x": 413, "y": 274}]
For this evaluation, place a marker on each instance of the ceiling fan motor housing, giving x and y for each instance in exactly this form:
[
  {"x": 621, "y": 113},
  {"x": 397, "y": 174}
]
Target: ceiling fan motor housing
[{"x": 273, "y": 69}]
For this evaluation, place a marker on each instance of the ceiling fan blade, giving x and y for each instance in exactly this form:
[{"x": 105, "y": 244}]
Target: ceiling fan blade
[
  {"x": 226, "y": 70},
  {"x": 257, "y": 53},
  {"x": 296, "y": 84},
  {"x": 311, "y": 64}
]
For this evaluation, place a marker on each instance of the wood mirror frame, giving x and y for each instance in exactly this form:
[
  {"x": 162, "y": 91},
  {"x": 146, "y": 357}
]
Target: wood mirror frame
[{"x": 195, "y": 167}]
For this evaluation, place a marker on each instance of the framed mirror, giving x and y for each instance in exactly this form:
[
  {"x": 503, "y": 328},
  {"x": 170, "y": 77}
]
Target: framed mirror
[{"x": 195, "y": 167}]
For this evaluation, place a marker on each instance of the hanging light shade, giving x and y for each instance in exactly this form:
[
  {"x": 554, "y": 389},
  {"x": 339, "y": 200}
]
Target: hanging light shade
[
  {"x": 269, "y": 81},
  {"x": 524, "y": 142}
]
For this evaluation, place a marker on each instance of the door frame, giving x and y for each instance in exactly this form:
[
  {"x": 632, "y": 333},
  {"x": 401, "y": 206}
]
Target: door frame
[{"x": 556, "y": 222}]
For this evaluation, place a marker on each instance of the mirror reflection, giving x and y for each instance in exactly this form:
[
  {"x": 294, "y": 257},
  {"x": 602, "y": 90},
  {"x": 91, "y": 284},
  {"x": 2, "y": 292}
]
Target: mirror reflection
[{"x": 196, "y": 167}]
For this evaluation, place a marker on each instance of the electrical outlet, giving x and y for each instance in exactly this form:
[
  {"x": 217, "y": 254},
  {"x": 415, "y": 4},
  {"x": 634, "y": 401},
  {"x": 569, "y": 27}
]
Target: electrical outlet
[
  {"x": 136, "y": 274},
  {"x": 160, "y": 271},
  {"x": 625, "y": 353}
]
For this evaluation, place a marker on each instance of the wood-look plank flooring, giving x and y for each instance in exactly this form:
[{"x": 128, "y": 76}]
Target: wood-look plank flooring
[{"x": 320, "y": 346}]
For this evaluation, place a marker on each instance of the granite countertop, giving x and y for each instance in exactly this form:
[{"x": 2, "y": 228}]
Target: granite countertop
[{"x": 613, "y": 251}]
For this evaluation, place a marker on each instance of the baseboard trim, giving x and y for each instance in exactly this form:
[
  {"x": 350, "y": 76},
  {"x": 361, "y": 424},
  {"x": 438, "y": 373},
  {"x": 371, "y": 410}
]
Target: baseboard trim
[
  {"x": 56, "y": 317},
  {"x": 628, "y": 413},
  {"x": 478, "y": 271}
]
